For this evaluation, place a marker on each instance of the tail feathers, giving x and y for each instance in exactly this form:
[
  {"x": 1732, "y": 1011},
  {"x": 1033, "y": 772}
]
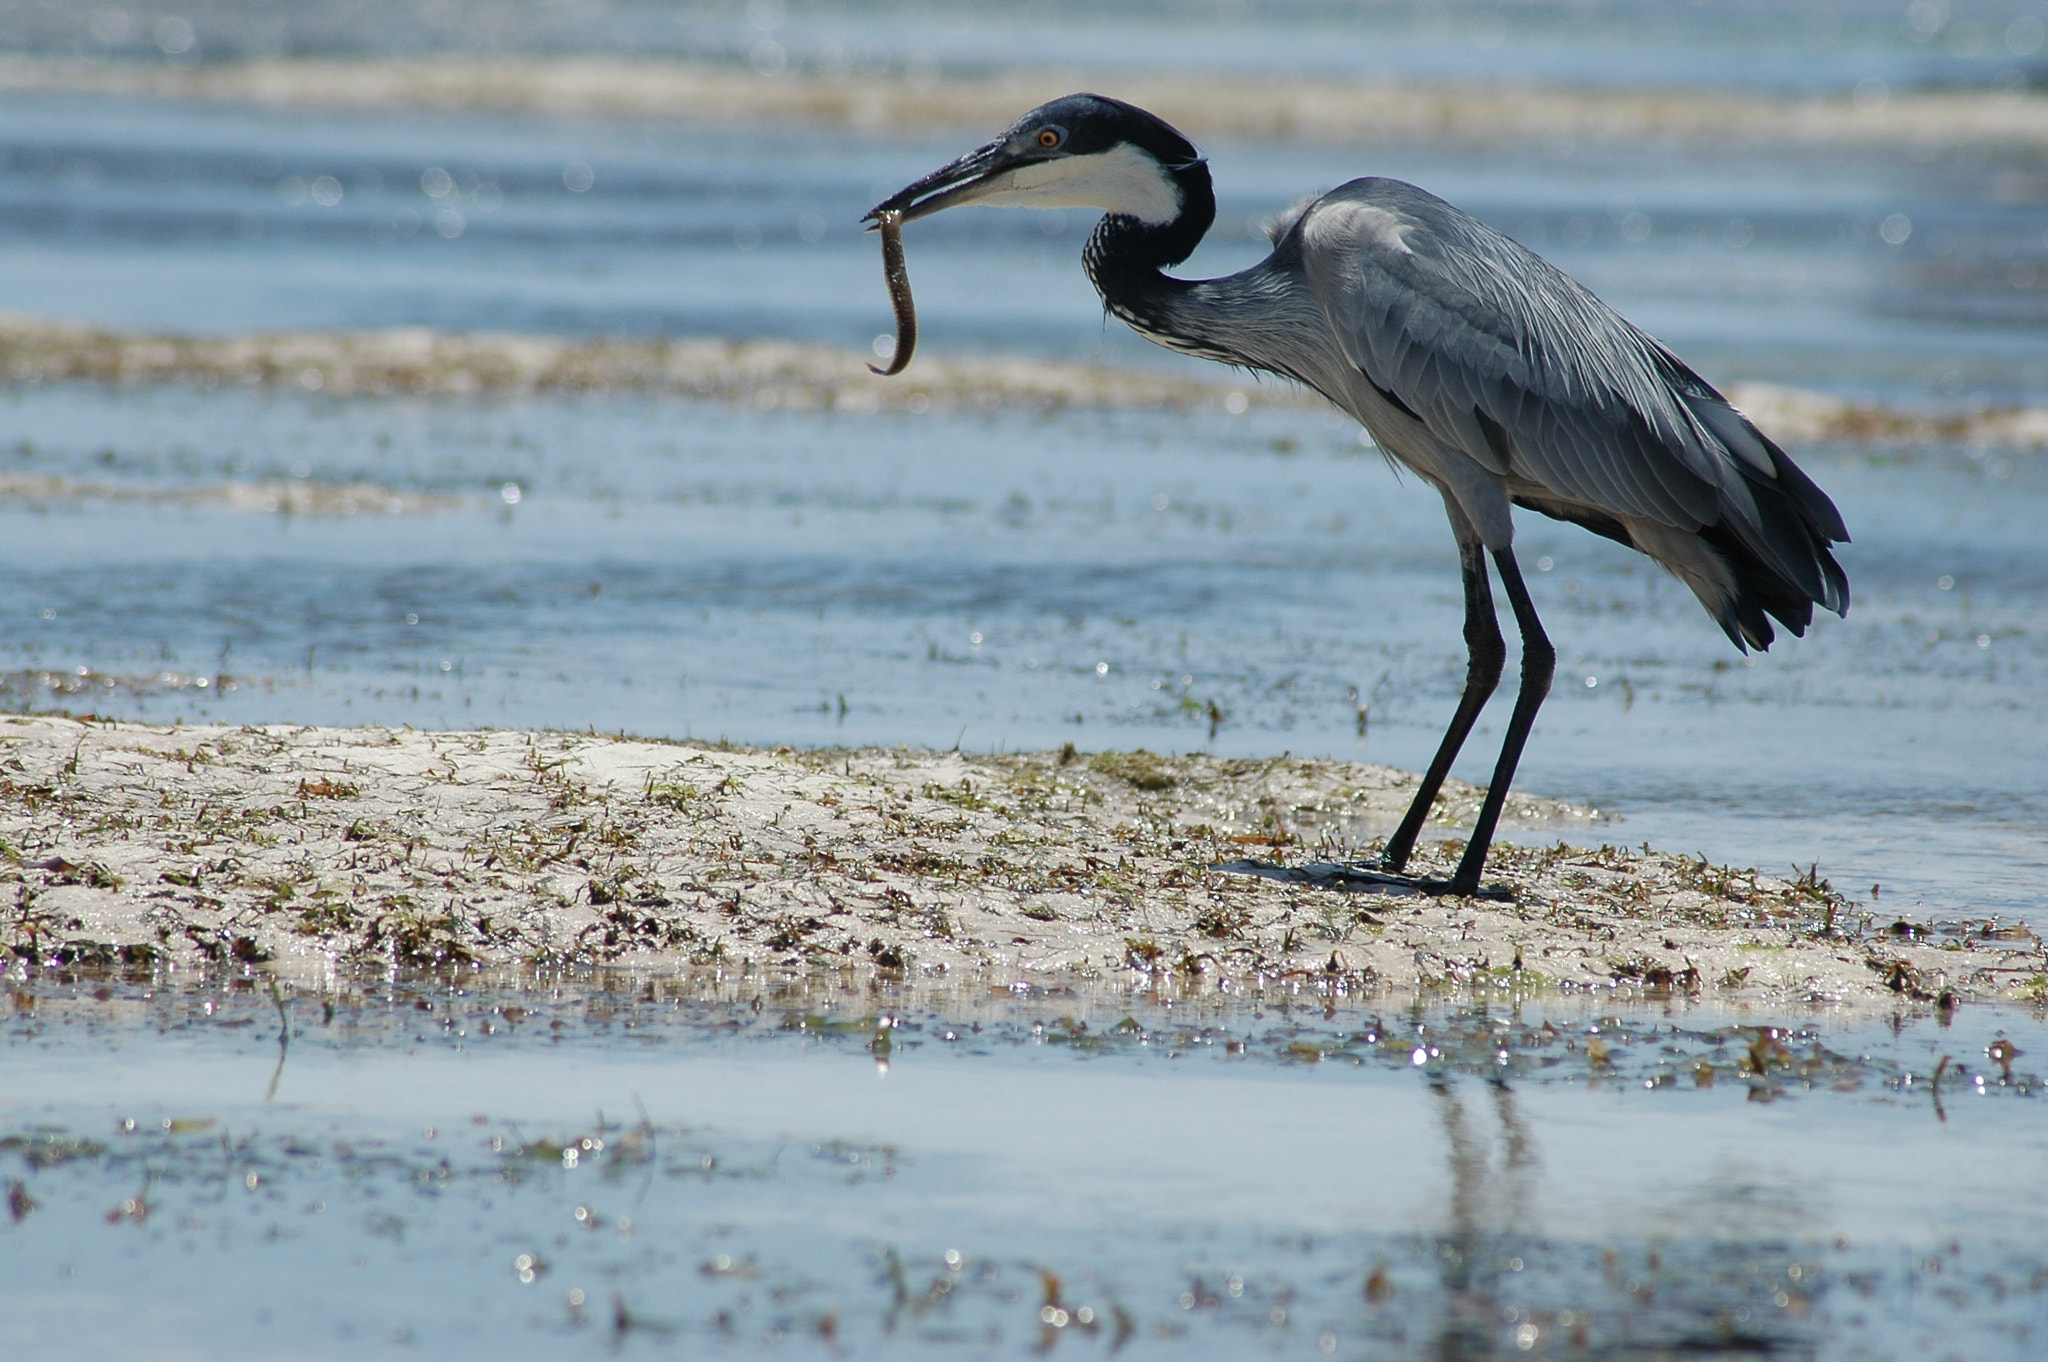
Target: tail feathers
[
  {"x": 1767, "y": 555},
  {"x": 1779, "y": 555},
  {"x": 1759, "y": 594},
  {"x": 1822, "y": 521},
  {"x": 1812, "y": 502},
  {"x": 1742, "y": 588}
]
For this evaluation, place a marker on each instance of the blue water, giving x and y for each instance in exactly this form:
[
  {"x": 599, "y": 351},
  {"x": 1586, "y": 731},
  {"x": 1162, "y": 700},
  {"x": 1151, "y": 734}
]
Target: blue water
[
  {"x": 1021, "y": 581},
  {"x": 1010, "y": 580},
  {"x": 199, "y": 218},
  {"x": 692, "y": 1168},
  {"x": 1795, "y": 45},
  {"x": 394, "y": 1177}
]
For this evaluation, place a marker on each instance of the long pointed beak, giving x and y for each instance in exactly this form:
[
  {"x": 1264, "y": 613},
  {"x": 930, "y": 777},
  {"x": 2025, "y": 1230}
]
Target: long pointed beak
[{"x": 948, "y": 185}]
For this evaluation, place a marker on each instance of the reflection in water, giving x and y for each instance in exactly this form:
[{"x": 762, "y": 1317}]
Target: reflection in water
[
  {"x": 1740, "y": 1282},
  {"x": 1090, "y": 1176},
  {"x": 1489, "y": 1207}
]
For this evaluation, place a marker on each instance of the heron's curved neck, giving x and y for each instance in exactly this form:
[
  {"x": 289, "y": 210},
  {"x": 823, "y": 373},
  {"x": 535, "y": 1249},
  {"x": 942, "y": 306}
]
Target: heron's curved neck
[
  {"x": 1224, "y": 319},
  {"x": 1125, "y": 259}
]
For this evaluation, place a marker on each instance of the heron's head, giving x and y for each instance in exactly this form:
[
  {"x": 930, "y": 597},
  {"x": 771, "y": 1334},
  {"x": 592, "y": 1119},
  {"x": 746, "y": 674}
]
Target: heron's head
[{"x": 1083, "y": 151}]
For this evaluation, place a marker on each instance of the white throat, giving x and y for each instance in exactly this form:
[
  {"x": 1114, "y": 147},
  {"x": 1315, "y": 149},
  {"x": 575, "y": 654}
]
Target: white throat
[{"x": 1121, "y": 180}]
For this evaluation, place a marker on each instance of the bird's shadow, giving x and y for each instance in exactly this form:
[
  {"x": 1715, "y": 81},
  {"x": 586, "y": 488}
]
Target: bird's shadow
[{"x": 1351, "y": 878}]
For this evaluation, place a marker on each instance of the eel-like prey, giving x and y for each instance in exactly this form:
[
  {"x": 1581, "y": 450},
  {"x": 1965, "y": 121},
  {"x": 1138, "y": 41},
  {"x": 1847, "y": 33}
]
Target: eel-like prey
[{"x": 891, "y": 223}]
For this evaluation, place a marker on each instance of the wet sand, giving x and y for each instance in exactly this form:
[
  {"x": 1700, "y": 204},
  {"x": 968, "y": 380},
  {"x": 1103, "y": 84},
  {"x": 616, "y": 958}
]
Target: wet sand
[
  {"x": 1204, "y": 104},
  {"x": 765, "y": 374},
  {"x": 304, "y": 848},
  {"x": 772, "y": 375}
]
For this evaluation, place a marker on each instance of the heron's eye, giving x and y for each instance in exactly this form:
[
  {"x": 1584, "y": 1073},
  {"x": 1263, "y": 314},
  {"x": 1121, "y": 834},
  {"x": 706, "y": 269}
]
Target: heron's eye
[{"x": 1048, "y": 138}]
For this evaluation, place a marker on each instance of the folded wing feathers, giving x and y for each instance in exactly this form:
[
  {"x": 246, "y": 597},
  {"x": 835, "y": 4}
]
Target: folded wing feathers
[{"x": 1472, "y": 331}]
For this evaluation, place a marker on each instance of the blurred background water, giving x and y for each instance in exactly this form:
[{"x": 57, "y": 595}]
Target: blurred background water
[
  {"x": 1243, "y": 581},
  {"x": 1774, "y": 44}
]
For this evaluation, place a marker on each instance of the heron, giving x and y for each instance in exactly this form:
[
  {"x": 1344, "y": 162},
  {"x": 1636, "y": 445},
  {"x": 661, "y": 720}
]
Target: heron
[{"x": 1470, "y": 360}]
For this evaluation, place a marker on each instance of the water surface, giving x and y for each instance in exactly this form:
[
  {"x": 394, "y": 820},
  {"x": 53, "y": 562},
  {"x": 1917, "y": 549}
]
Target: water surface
[
  {"x": 200, "y": 218},
  {"x": 1020, "y": 581},
  {"x": 666, "y": 1166},
  {"x": 733, "y": 1167},
  {"x": 1795, "y": 45},
  {"x": 1248, "y": 583}
]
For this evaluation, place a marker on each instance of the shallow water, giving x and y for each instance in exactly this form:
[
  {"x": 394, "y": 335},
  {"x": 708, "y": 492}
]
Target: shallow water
[
  {"x": 1797, "y": 45},
  {"x": 1009, "y": 580},
  {"x": 702, "y": 1166},
  {"x": 160, "y": 215},
  {"x": 1213, "y": 1177},
  {"x": 1020, "y": 581}
]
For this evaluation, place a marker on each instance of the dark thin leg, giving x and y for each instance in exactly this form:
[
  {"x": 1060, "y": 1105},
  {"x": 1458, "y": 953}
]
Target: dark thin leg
[
  {"x": 1539, "y": 660},
  {"x": 1485, "y": 654}
]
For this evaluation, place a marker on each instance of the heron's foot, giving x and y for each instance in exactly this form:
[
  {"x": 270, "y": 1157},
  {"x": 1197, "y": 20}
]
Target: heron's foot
[
  {"x": 1368, "y": 877},
  {"x": 1364, "y": 878},
  {"x": 1374, "y": 877},
  {"x": 1458, "y": 886}
]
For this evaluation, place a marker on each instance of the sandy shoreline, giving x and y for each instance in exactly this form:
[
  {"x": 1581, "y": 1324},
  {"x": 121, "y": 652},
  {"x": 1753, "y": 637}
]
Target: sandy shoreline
[
  {"x": 782, "y": 375},
  {"x": 1204, "y": 104},
  {"x": 303, "y": 849}
]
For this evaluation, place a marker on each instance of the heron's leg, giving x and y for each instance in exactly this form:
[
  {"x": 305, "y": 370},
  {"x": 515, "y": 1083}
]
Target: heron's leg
[
  {"x": 1539, "y": 660},
  {"x": 1485, "y": 655}
]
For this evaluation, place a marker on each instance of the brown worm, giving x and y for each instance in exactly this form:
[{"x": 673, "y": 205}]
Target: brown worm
[{"x": 891, "y": 223}]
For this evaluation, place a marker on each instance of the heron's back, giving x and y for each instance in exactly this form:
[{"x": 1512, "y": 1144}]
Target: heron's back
[{"x": 1498, "y": 376}]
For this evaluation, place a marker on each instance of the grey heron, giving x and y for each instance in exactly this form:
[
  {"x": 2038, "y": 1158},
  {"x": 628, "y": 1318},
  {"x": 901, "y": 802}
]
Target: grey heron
[{"x": 1471, "y": 360}]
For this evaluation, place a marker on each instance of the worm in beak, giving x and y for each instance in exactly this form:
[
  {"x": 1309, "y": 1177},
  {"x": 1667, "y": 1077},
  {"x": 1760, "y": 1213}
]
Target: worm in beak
[{"x": 890, "y": 221}]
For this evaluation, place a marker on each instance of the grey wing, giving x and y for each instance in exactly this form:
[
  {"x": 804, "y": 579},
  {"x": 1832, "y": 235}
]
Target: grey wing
[{"x": 1502, "y": 356}]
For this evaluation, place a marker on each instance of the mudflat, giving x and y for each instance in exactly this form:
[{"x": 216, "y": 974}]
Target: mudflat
[{"x": 303, "y": 848}]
